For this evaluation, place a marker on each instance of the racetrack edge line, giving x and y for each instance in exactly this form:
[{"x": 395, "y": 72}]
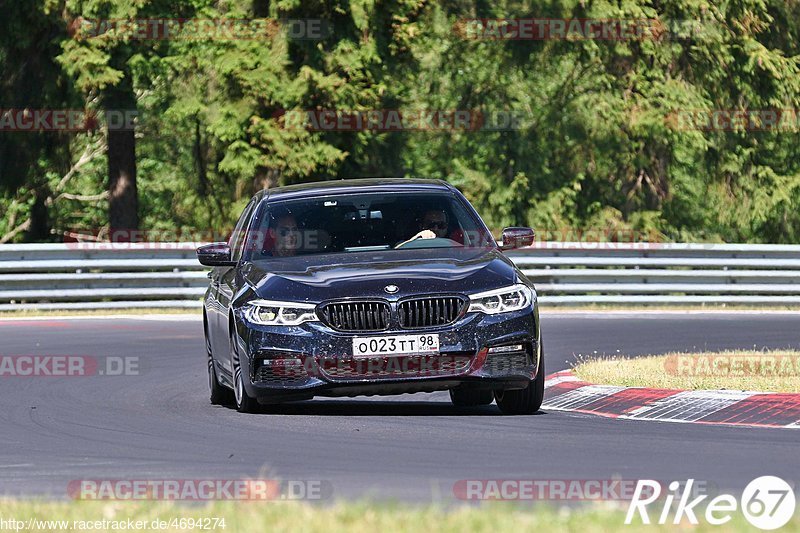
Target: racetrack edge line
[{"x": 566, "y": 392}]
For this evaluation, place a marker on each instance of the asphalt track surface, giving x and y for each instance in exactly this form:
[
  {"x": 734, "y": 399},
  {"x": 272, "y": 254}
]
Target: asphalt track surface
[{"x": 160, "y": 425}]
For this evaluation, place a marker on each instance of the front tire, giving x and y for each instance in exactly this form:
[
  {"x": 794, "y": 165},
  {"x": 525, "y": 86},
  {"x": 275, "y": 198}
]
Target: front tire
[
  {"x": 528, "y": 400},
  {"x": 244, "y": 402},
  {"x": 219, "y": 395}
]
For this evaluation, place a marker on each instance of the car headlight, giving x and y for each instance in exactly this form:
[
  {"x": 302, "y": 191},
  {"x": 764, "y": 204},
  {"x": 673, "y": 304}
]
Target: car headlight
[
  {"x": 271, "y": 313},
  {"x": 503, "y": 300}
]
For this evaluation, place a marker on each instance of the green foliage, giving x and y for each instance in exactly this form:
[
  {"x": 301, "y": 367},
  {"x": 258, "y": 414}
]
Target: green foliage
[{"x": 593, "y": 146}]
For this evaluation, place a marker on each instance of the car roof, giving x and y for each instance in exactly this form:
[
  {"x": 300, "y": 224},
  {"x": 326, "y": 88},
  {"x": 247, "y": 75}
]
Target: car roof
[{"x": 345, "y": 186}]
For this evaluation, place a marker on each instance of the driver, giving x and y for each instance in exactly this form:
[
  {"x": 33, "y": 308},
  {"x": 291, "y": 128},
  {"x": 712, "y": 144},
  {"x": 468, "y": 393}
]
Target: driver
[
  {"x": 285, "y": 235},
  {"x": 435, "y": 220},
  {"x": 434, "y": 224}
]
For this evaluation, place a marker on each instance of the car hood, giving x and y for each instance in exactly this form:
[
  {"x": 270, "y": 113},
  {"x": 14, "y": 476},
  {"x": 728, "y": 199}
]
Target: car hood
[{"x": 366, "y": 274}]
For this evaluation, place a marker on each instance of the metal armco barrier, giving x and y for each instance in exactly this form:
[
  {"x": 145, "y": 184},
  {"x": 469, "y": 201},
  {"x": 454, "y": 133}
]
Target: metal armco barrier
[{"x": 167, "y": 275}]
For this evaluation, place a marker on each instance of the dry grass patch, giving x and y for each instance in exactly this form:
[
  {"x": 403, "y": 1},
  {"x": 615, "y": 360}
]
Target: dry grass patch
[{"x": 764, "y": 371}]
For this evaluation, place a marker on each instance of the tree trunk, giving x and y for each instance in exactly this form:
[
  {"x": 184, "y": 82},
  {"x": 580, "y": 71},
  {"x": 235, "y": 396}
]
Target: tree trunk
[
  {"x": 39, "y": 228},
  {"x": 123, "y": 197}
]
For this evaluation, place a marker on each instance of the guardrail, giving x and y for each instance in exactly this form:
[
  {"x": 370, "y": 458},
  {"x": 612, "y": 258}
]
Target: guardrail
[
  {"x": 167, "y": 275},
  {"x": 641, "y": 273},
  {"x": 100, "y": 276}
]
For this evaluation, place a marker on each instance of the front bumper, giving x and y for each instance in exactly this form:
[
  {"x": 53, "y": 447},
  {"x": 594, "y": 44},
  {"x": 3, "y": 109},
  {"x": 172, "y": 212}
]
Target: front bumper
[{"x": 299, "y": 362}]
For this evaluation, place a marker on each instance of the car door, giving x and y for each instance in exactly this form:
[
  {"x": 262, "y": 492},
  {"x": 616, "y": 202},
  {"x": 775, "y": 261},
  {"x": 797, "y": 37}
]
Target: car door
[{"x": 226, "y": 280}]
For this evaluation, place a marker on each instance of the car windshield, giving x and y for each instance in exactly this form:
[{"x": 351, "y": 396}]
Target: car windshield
[{"x": 365, "y": 222}]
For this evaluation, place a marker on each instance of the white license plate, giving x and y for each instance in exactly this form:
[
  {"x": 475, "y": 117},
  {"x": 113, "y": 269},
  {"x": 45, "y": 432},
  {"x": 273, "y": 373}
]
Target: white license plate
[{"x": 396, "y": 345}]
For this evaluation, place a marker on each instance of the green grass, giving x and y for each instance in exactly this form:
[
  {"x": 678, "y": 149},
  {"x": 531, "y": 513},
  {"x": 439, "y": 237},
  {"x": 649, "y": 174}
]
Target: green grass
[
  {"x": 361, "y": 517},
  {"x": 696, "y": 372}
]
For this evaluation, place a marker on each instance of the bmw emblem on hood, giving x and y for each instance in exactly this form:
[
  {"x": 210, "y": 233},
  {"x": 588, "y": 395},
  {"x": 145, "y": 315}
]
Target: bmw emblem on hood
[{"x": 391, "y": 289}]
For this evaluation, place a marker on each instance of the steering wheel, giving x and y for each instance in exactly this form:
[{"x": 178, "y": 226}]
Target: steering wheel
[{"x": 438, "y": 242}]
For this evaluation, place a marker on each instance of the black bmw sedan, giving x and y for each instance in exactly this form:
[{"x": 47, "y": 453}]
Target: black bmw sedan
[{"x": 365, "y": 287}]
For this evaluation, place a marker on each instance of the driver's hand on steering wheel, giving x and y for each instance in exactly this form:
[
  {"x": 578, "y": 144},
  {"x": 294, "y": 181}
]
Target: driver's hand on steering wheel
[{"x": 424, "y": 234}]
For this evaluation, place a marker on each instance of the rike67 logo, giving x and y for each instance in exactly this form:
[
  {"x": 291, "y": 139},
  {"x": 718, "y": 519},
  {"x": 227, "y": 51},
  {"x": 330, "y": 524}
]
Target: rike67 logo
[{"x": 768, "y": 503}]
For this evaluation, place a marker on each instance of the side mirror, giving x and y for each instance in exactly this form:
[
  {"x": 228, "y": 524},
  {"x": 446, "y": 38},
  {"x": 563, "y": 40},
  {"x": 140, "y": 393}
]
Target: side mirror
[
  {"x": 215, "y": 255},
  {"x": 517, "y": 238}
]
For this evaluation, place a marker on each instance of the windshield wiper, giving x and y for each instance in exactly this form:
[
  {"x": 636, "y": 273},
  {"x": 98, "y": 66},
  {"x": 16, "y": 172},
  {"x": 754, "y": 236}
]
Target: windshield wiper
[{"x": 376, "y": 248}]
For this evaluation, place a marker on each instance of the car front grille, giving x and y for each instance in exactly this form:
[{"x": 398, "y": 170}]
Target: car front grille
[
  {"x": 356, "y": 316},
  {"x": 396, "y": 367},
  {"x": 430, "y": 312}
]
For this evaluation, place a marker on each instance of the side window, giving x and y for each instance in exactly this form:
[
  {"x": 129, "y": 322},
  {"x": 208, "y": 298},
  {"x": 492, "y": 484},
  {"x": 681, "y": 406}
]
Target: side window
[
  {"x": 258, "y": 237},
  {"x": 238, "y": 235}
]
